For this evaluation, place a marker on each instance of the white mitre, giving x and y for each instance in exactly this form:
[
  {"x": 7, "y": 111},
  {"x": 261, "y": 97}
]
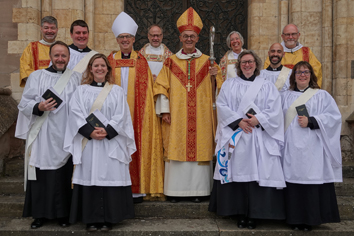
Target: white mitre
[{"x": 124, "y": 24}]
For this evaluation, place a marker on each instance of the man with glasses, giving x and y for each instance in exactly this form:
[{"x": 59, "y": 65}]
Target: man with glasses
[
  {"x": 295, "y": 52},
  {"x": 276, "y": 72},
  {"x": 131, "y": 72},
  {"x": 155, "y": 52},
  {"x": 183, "y": 91}
]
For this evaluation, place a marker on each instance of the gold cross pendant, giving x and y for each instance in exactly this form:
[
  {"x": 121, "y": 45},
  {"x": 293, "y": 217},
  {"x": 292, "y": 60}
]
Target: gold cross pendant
[{"x": 189, "y": 86}]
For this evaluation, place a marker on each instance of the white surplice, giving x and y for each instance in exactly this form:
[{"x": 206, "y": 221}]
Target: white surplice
[
  {"x": 47, "y": 149},
  {"x": 102, "y": 162},
  {"x": 256, "y": 156},
  {"x": 313, "y": 156},
  {"x": 155, "y": 66},
  {"x": 273, "y": 77}
]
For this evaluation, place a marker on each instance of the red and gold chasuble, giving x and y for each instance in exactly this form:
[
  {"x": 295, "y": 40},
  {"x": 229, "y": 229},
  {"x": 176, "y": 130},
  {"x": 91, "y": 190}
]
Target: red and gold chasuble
[
  {"x": 34, "y": 57},
  {"x": 147, "y": 167},
  {"x": 186, "y": 83}
]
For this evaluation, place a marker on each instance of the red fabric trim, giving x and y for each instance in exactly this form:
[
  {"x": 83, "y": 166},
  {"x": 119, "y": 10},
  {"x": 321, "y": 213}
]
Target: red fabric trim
[
  {"x": 306, "y": 54},
  {"x": 290, "y": 66},
  {"x": 141, "y": 88},
  {"x": 35, "y": 55},
  {"x": 124, "y": 63},
  {"x": 189, "y": 27},
  {"x": 44, "y": 63},
  {"x": 191, "y": 147}
]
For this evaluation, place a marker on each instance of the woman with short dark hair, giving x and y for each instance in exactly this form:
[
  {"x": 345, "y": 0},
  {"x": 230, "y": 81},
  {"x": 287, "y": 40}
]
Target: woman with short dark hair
[{"x": 248, "y": 177}]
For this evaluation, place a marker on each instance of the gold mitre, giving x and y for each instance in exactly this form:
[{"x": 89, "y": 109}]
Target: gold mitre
[{"x": 190, "y": 20}]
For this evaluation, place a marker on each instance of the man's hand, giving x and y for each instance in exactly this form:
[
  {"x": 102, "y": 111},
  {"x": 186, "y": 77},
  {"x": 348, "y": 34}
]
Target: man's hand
[
  {"x": 213, "y": 70},
  {"x": 47, "y": 105},
  {"x": 154, "y": 77},
  {"x": 245, "y": 126},
  {"x": 303, "y": 121},
  {"x": 253, "y": 121},
  {"x": 99, "y": 133},
  {"x": 166, "y": 117}
]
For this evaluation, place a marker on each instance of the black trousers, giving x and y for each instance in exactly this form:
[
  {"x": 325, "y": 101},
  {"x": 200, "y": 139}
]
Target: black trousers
[
  {"x": 247, "y": 198},
  {"x": 50, "y": 195}
]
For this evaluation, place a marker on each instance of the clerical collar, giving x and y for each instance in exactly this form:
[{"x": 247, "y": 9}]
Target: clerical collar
[
  {"x": 87, "y": 49},
  {"x": 276, "y": 69},
  {"x": 301, "y": 91},
  {"x": 126, "y": 55},
  {"x": 51, "y": 69},
  {"x": 249, "y": 79},
  {"x": 94, "y": 83},
  {"x": 195, "y": 51},
  {"x": 42, "y": 41}
]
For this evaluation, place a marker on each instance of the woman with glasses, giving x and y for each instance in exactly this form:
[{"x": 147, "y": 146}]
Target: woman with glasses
[
  {"x": 312, "y": 159},
  {"x": 235, "y": 42},
  {"x": 248, "y": 178}
]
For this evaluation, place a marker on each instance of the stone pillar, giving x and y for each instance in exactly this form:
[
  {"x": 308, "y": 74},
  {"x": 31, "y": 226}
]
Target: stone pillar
[
  {"x": 307, "y": 15},
  {"x": 28, "y": 17},
  {"x": 343, "y": 32},
  {"x": 263, "y": 25},
  {"x": 106, "y": 12},
  {"x": 327, "y": 45}
]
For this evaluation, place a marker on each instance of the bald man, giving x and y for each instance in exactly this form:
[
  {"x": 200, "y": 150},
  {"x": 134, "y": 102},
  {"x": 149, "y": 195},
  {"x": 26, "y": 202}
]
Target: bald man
[
  {"x": 295, "y": 52},
  {"x": 276, "y": 72}
]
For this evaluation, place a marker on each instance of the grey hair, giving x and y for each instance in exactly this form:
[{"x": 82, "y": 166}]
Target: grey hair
[
  {"x": 258, "y": 61},
  {"x": 228, "y": 40},
  {"x": 49, "y": 20}
]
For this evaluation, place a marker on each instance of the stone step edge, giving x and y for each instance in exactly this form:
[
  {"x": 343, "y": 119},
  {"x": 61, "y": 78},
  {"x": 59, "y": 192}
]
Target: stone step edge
[{"x": 152, "y": 226}]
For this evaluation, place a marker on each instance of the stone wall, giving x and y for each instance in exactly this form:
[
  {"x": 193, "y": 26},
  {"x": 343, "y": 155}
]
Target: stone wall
[{"x": 326, "y": 26}]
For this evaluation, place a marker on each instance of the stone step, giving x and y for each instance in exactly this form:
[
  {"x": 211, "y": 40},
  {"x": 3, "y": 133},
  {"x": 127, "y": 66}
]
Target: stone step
[
  {"x": 12, "y": 206},
  {"x": 11, "y": 185},
  {"x": 14, "y": 167},
  {"x": 348, "y": 169},
  {"x": 168, "y": 227},
  {"x": 14, "y": 185},
  {"x": 346, "y": 188}
]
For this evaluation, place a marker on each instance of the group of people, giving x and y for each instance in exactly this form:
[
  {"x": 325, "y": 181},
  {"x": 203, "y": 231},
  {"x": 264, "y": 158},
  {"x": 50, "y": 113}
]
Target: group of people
[{"x": 142, "y": 125}]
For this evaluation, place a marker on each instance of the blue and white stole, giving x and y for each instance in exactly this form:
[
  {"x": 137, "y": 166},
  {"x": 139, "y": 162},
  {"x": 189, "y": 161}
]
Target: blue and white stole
[{"x": 225, "y": 153}]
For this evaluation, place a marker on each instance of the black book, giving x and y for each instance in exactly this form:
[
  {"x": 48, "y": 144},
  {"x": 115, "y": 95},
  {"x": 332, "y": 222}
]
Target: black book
[
  {"x": 302, "y": 111},
  {"x": 250, "y": 111},
  {"x": 49, "y": 94},
  {"x": 94, "y": 121}
]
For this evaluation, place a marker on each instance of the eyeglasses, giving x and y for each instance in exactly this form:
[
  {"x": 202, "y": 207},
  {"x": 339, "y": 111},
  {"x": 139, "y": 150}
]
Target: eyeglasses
[
  {"x": 299, "y": 73},
  {"x": 293, "y": 34},
  {"x": 192, "y": 37},
  {"x": 155, "y": 35},
  {"x": 250, "y": 62},
  {"x": 125, "y": 36}
]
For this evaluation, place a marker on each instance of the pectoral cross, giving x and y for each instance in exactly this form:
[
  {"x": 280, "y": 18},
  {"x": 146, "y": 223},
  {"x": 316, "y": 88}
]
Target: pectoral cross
[{"x": 189, "y": 86}]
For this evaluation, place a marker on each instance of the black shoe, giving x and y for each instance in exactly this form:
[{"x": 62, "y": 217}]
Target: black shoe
[
  {"x": 91, "y": 227},
  {"x": 106, "y": 226},
  {"x": 196, "y": 200},
  {"x": 174, "y": 199},
  {"x": 251, "y": 223},
  {"x": 307, "y": 227},
  {"x": 242, "y": 223},
  {"x": 37, "y": 223},
  {"x": 297, "y": 227},
  {"x": 63, "y": 222},
  {"x": 138, "y": 200}
]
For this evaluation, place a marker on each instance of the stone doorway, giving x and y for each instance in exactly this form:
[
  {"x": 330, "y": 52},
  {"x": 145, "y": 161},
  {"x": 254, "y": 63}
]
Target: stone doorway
[{"x": 224, "y": 15}]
